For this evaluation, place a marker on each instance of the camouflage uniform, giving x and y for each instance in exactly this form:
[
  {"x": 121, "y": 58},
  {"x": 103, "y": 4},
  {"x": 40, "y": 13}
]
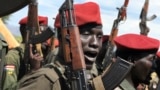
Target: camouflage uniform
[
  {"x": 52, "y": 78},
  {"x": 14, "y": 65},
  {"x": 11, "y": 68},
  {"x": 3, "y": 51}
]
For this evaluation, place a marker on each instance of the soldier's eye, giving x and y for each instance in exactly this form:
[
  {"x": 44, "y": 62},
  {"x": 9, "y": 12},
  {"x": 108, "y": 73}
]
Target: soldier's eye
[
  {"x": 86, "y": 33},
  {"x": 99, "y": 36}
]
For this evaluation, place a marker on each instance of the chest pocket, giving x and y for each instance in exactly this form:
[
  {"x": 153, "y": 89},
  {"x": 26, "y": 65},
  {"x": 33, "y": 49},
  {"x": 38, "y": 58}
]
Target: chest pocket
[{"x": 60, "y": 70}]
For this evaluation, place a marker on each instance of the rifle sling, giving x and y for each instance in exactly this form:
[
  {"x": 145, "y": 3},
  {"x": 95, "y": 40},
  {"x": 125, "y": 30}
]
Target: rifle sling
[
  {"x": 116, "y": 73},
  {"x": 98, "y": 84},
  {"x": 43, "y": 36}
]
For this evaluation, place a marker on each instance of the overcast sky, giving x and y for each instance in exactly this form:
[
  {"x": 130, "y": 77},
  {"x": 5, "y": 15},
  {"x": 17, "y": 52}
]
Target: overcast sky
[{"x": 108, "y": 13}]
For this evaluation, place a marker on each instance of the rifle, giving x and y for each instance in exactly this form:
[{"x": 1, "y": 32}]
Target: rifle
[
  {"x": 144, "y": 30},
  {"x": 110, "y": 45},
  {"x": 116, "y": 73},
  {"x": 72, "y": 47},
  {"x": 32, "y": 30}
]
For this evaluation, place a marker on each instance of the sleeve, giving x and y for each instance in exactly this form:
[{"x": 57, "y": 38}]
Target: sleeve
[{"x": 11, "y": 68}]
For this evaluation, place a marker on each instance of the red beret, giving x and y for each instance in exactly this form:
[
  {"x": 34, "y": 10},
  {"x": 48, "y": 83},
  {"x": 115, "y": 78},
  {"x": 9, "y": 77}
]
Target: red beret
[
  {"x": 42, "y": 19},
  {"x": 136, "y": 42},
  {"x": 84, "y": 13}
]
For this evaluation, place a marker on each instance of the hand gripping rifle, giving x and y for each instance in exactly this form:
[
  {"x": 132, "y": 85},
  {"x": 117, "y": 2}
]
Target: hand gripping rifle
[
  {"x": 143, "y": 16},
  {"x": 110, "y": 46},
  {"x": 72, "y": 48}
]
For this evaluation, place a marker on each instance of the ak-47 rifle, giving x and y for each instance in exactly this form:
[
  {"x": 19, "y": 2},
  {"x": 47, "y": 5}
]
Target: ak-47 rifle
[
  {"x": 33, "y": 36},
  {"x": 110, "y": 46},
  {"x": 32, "y": 28},
  {"x": 72, "y": 49},
  {"x": 143, "y": 16}
]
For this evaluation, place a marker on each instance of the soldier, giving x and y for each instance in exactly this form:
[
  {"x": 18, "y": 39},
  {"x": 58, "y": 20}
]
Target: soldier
[
  {"x": 14, "y": 65},
  {"x": 54, "y": 78},
  {"x": 3, "y": 52},
  {"x": 43, "y": 24},
  {"x": 139, "y": 50}
]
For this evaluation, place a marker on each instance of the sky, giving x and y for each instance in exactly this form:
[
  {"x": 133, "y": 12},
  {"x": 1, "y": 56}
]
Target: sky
[{"x": 108, "y": 14}]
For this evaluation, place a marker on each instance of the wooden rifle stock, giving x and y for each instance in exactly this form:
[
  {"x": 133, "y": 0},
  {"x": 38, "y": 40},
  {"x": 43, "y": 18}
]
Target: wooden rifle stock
[
  {"x": 121, "y": 16},
  {"x": 110, "y": 46},
  {"x": 72, "y": 47},
  {"x": 78, "y": 61}
]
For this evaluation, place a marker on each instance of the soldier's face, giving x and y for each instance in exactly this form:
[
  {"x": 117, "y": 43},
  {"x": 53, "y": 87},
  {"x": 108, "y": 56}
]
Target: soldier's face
[
  {"x": 91, "y": 38},
  {"x": 143, "y": 67}
]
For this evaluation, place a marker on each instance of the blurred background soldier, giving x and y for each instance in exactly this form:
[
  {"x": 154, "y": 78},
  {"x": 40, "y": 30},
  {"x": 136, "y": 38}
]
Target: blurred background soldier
[
  {"x": 139, "y": 50},
  {"x": 14, "y": 65}
]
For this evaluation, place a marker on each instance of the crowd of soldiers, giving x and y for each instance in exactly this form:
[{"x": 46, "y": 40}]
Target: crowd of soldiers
[{"x": 135, "y": 58}]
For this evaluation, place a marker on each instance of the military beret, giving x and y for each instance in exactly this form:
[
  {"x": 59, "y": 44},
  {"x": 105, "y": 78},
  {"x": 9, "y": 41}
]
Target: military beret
[
  {"x": 136, "y": 42},
  {"x": 88, "y": 12},
  {"x": 42, "y": 19}
]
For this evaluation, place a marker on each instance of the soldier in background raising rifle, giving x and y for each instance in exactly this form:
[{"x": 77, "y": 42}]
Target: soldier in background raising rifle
[
  {"x": 14, "y": 64},
  {"x": 131, "y": 48}
]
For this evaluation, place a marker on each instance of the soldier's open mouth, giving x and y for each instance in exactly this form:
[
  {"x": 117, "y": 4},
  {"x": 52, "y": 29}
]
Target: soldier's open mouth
[{"x": 91, "y": 56}]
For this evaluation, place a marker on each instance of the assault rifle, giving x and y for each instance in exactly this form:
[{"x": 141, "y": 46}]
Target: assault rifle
[
  {"x": 143, "y": 16},
  {"x": 72, "y": 48},
  {"x": 113, "y": 76},
  {"x": 31, "y": 28},
  {"x": 110, "y": 45},
  {"x": 33, "y": 36}
]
